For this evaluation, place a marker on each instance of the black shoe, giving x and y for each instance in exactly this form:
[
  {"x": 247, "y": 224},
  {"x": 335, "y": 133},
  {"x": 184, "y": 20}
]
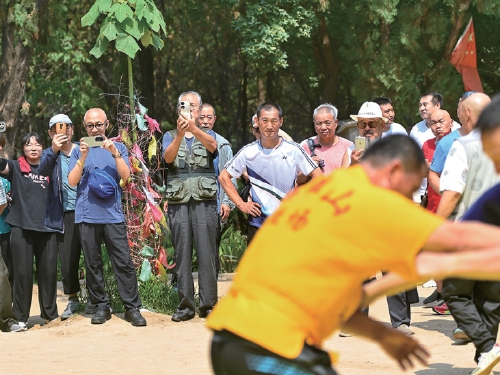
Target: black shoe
[
  {"x": 100, "y": 316},
  {"x": 182, "y": 316},
  {"x": 433, "y": 300},
  {"x": 206, "y": 313},
  {"x": 134, "y": 316}
]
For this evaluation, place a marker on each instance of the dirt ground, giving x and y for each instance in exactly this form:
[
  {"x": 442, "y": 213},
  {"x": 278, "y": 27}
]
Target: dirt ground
[{"x": 75, "y": 346}]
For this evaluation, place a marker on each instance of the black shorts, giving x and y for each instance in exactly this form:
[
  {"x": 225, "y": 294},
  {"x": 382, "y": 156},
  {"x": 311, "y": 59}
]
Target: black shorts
[{"x": 233, "y": 355}]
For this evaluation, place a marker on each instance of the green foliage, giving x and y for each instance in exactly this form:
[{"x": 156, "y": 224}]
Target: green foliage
[
  {"x": 26, "y": 18},
  {"x": 126, "y": 22},
  {"x": 158, "y": 296},
  {"x": 233, "y": 246}
]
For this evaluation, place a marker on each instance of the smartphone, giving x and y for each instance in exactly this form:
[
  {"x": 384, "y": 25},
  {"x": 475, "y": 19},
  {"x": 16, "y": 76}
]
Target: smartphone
[
  {"x": 96, "y": 141},
  {"x": 60, "y": 128},
  {"x": 186, "y": 109},
  {"x": 360, "y": 143}
]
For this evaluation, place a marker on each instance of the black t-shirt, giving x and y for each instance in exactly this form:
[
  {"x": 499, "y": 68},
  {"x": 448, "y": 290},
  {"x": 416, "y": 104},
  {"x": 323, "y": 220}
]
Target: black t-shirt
[{"x": 29, "y": 197}]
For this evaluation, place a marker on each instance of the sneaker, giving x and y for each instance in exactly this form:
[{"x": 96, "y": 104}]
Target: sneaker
[
  {"x": 73, "y": 306},
  {"x": 19, "y": 327},
  {"x": 135, "y": 318},
  {"x": 433, "y": 300},
  {"x": 442, "y": 309},
  {"x": 429, "y": 284},
  {"x": 345, "y": 334},
  {"x": 404, "y": 328},
  {"x": 458, "y": 334},
  {"x": 487, "y": 361}
]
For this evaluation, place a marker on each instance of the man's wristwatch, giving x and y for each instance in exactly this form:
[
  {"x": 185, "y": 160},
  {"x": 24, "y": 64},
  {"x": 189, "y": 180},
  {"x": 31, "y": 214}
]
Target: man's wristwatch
[{"x": 119, "y": 155}]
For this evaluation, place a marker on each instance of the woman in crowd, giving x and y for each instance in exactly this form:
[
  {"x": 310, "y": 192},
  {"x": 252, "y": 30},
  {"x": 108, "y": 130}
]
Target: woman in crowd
[{"x": 29, "y": 238}]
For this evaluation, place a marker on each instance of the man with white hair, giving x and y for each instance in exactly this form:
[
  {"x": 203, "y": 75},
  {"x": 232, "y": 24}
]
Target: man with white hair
[{"x": 326, "y": 148}]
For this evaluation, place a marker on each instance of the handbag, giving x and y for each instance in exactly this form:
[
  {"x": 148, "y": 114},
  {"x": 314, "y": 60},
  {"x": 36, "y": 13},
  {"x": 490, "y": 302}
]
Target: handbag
[
  {"x": 424, "y": 199},
  {"x": 245, "y": 191}
]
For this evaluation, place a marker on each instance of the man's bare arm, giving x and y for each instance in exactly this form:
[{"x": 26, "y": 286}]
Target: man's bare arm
[
  {"x": 448, "y": 202},
  {"x": 250, "y": 208},
  {"x": 433, "y": 180}
]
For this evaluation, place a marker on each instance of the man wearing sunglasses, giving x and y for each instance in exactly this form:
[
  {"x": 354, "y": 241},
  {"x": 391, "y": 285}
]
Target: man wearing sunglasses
[{"x": 370, "y": 124}]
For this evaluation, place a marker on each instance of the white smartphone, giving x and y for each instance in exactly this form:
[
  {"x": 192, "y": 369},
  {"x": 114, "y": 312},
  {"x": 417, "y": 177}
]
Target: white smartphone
[
  {"x": 360, "y": 143},
  {"x": 186, "y": 109},
  {"x": 96, "y": 141}
]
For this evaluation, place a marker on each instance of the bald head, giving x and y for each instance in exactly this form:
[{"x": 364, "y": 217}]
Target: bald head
[
  {"x": 95, "y": 112},
  {"x": 441, "y": 123},
  {"x": 471, "y": 108}
]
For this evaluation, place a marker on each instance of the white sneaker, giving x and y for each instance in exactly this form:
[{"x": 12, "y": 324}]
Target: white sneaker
[
  {"x": 487, "y": 361},
  {"x": 429, "y": 284},
  {"x": 19, "y": 327},
  {"x": 403, "y": 328}
]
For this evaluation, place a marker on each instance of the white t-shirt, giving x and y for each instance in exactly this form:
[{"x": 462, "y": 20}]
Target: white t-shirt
[
  {"x": 456, "y": 167},
  {"x": 395, "y": 129},
  {"x": 272, "y": 172}
]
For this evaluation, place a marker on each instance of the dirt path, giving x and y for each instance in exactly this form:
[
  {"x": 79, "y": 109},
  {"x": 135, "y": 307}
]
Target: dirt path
[{"x": 77, "y": 347}]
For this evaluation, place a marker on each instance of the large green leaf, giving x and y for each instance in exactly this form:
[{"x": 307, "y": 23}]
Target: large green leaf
[
  {"x": 147, "y": 251},
  {"x": 104, "y": 5},
  {"x": 146, "y": 39},
  {"x": 139, "y": 9},
  {"x": 109, "y": 30},
  {"x": 99, "y": 48},
  {"x": 131, "y": 27},
  {"x": 123, "y": 12},
  {"x": 157, "y": 42},
  {"x": 89, "y": 18},
  {"x": 145, "y": 271},
  {"x": 127, "y": 45}
]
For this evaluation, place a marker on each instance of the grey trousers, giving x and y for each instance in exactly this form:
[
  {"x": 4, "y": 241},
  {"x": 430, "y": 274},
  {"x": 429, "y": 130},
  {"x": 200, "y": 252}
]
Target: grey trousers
[
  {"x": 195, "y": 223},
  {"x": 7, "y": 317},
  {"x": 399, "y": 307},
  {"x": 475, "y": 306}
]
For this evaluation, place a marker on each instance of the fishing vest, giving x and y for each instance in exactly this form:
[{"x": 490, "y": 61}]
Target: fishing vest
[{"x": 191, "y": 174}]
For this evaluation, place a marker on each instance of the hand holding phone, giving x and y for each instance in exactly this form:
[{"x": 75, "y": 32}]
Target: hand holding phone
[
  {"x": 61, "y": 128},
  {"x": 360, "y": 143},
  {"x": 96, "y": 141}
]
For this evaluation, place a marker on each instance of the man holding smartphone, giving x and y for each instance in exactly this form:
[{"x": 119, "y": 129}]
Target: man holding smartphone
[
  {"x": 370, "y": 124},
  {"x": 101, "y": 219},
  {"x": 60, "y": 210},
  {"x": 192, "y": 206}
]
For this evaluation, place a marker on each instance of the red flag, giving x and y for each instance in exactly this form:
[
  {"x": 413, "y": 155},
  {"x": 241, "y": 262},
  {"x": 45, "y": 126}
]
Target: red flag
[{"x": 464, "y": 59}]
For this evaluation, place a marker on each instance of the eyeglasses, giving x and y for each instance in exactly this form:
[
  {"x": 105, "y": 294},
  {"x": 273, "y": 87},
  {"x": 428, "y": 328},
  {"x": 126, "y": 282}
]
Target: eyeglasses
[
  {"x": 97, "y": 125},
  {"x": 371, "y": 124},
  {"x": 36, "y": 146}
]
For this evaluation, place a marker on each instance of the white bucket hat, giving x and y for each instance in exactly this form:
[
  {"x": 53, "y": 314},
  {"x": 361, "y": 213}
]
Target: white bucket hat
[{"x": 369, "y": 110}]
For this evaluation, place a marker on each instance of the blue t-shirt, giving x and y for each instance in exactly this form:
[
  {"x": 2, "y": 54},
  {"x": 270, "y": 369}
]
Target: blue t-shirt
[
  {"x": 69, "y": 192},
  {"x": 442, "y": 149},
  {"x": 89, "y": 207},
  {"x": 486, "y": 209}
]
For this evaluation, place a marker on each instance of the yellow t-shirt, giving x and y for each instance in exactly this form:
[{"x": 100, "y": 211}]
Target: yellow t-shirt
[{"x": 302, "y": 275}]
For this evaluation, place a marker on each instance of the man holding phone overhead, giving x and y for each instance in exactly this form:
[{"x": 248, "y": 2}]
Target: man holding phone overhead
[
  {"x": 101, "y": 218},
  {"x": 60, "y": 209},
  {"x": 192, "y": 206}
]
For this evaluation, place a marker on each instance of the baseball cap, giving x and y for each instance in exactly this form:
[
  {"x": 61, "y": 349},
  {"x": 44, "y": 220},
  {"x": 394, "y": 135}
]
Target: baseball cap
[
  {"x": 59, "y": 118},
  {"x": 369, "y": 110}
]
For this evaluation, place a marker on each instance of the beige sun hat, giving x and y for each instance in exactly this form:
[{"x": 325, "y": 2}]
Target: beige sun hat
[{"x": 369, "y": 110}]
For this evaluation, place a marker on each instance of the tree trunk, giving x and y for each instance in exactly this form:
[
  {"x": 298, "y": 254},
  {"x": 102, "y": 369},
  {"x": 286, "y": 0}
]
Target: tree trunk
[
  {"x": 14, "y": 68},
  {"x": 323, "y": 51},
  {"x": 147, "y": 70}
]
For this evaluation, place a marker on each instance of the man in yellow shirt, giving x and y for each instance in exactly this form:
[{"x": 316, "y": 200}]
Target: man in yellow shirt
[{"x": 294, "y": 288}]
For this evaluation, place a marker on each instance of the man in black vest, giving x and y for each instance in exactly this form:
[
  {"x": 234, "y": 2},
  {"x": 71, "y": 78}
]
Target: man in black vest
[{"x": 192, "y": 206}]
